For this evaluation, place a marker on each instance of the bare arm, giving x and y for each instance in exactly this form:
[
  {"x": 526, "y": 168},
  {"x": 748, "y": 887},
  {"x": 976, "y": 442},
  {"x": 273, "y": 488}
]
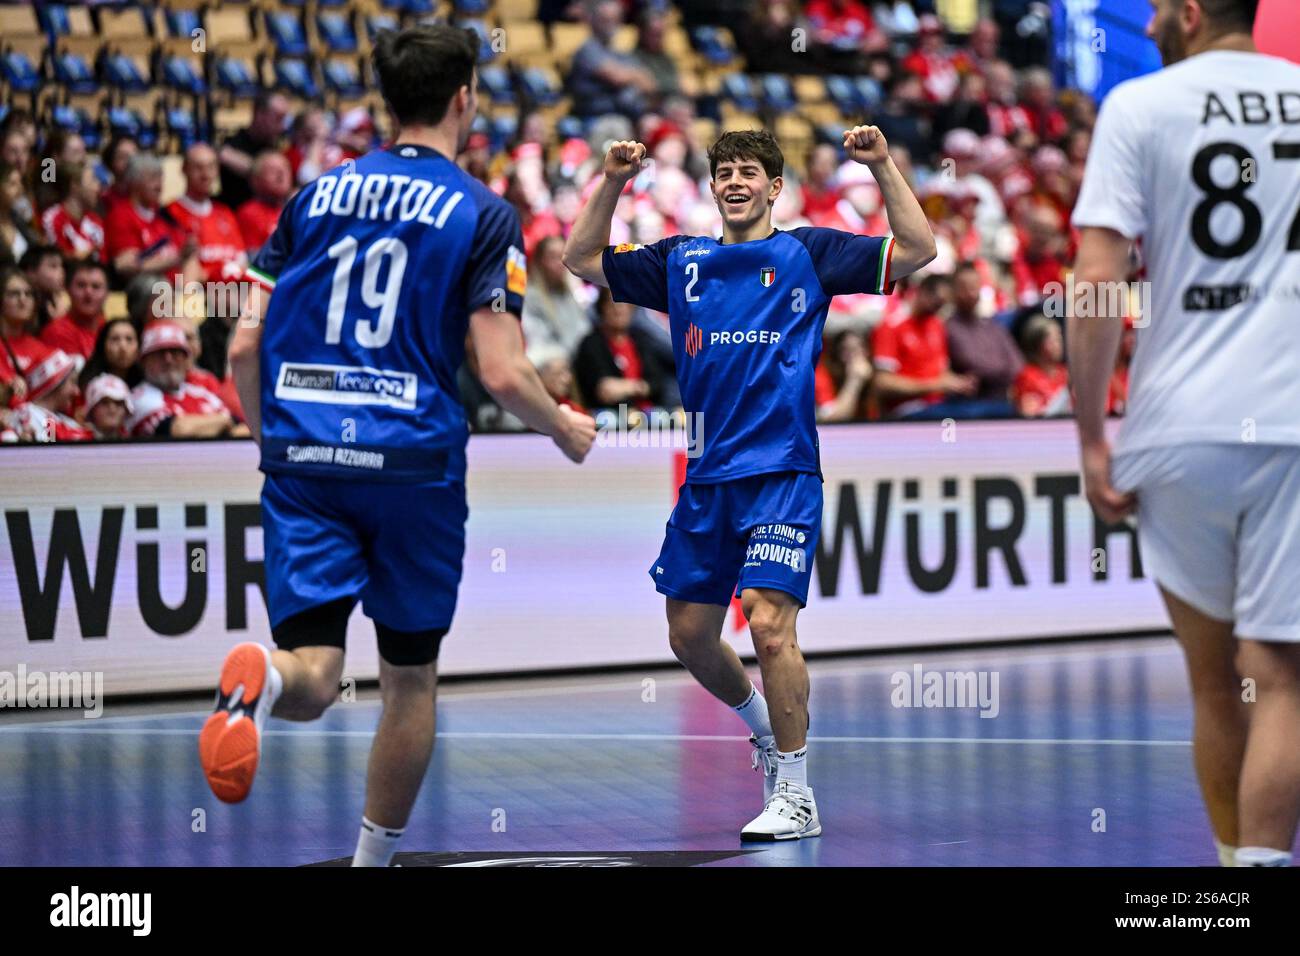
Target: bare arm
[
  {"x": 201, "y": 426},
  {"x": 1094, "y": 338},
  {"x": 236, "y": 160},
  {"x": 507, "y": 374},
  {"x": 914, "y": 245},
  {"x": 586, "y": 243},
  {"x": 245, "y": 361}
]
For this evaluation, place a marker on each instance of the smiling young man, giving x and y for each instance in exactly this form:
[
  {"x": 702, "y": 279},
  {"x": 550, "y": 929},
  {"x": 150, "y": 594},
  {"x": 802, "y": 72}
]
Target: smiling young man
[{"x": 747, "y": 313}]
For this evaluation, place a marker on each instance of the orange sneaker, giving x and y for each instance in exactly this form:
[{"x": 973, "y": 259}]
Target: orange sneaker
[{"x": 230, "y": 744}]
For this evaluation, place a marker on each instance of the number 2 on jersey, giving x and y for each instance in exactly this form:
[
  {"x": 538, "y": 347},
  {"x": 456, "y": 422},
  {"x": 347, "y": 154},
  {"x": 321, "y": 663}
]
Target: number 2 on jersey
[
  {"x": 692, "y": 270},
  {"x": 369, "y": 334}
]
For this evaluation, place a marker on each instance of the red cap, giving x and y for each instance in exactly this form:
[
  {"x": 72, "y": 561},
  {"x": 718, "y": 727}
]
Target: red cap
[{"x": 105, "y": 386}]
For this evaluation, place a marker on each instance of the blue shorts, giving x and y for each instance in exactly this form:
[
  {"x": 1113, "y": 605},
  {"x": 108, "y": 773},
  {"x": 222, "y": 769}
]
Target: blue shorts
[
  {"x": 397, "y": 547},
  {"x": 756, "y": 532}
]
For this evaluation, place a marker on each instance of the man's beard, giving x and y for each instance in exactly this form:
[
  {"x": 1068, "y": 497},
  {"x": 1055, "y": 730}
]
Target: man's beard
[{"x": 1171, "y": 44}]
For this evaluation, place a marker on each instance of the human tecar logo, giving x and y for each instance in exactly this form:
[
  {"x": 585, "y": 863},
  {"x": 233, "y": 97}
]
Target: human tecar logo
[
  {"x": 694, "y": 339},
  {"x": 767, "y": 275}
]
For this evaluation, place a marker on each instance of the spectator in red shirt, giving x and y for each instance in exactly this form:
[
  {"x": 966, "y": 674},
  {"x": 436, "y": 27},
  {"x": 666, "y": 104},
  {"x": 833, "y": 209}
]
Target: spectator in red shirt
[
  {"x": 62, "y": 148},
  {"x": 117, "y": 352},
  {"x": 52, "y": 390},
  {"x": 211, "y": 224},
  {"x": 616, "y": 364},
  {"x": 138, "y": 237},
  {"x": 167, "y": 405},
  {"x": 535, "y": 226},
  {"x": 939, "y": 67},
  {"x": 1038, "y": 96},
  {"x": 1040, "y": 261},
  {"x": 308, "y": 141},
  {"x": 72, "y": 224},
  {"x": 1042, "y": 388},
  {"x": 1007, "y": 117},
  {"x": 842, "y": 378},
  {"x": 841, "y": 23},
  {"x": 820, "y": 193},
  {"x": 108, "y": 404},
  {"x": 911, "y": 357},
  {"x": 272, "y": 182},
  {"x": 76, "y": 330},
  {"x": 22, "y": 348},
  {"x": 116, "y": 157}
]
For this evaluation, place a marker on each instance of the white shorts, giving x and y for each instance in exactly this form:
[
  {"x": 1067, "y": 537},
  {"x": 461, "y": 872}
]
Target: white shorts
[{"x": 1219, "y": 527}]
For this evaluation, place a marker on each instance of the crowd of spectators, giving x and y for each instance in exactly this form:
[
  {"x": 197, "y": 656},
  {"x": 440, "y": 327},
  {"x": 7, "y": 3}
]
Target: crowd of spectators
[{"x": 994, "y": 151}]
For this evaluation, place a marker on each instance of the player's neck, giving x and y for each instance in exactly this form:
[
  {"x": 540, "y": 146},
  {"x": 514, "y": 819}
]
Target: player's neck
[
  {"x": 442, "y": 138},
  {"x": 1235, "y": 42},
  {"x": 760, "y": 229}
]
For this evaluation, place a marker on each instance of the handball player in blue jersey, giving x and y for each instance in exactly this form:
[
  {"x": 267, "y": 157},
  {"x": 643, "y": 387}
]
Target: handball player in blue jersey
[
  {"x": 746, "y": 314},
  {"x": 377, "y": 273}
]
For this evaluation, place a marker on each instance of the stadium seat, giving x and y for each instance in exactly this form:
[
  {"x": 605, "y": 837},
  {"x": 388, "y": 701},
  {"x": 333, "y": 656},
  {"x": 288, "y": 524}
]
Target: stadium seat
[
  {"x": 566, "y": 38},
  {"x": 68, "y": 117},
  {"x": 19, "y": 72},
  {"x": 125, "y": 72},
  {"x": 342, "y": 76},
  {"x": 237, "y": 76},
  {"x": 336, "y": 31},
  {"x": 122, "y": 120},
  {"x": 74, "y": 71},
  {"x": 738, "y": 89},
  {"x": 183, "y": 126},
  {"x": 183, "y": 74},
  {"x": 513, "y": 11},
  {"x": 182, "y": 22},
  {"x": 494, "y": 79},
  {"x": 378, "y": 22},
  {"x": 227, "y": 25},
  {"x": 570, "y": 127},
  {"x": 541, "y": 85},
  {"x": 526, "y": 43},
  {"x": 470, "y": 8},
  {"x": 503, "y": 130},
  {"x": 53, "y": 19},
  {"x": 285, "y": 29},
  {"x": 778, "y": 93},
  {"x": 122, "y": 22},
  {"x": 295, "y": 75},
  {"x": 486, "y": 52},
  {"x": 714, "y": 43}
]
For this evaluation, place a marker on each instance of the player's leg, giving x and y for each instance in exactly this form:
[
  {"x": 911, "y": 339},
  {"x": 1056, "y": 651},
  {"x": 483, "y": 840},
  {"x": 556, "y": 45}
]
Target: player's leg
[
  {"x": 1270, "y": 774},
  {"x": 314, "y": 569},
  {"x": 782, "y": 516},
  {"x": 415, "y": 560},
  {"x": 1219, "y": 715},
  {"x": 695, "y": 636},
  {"x": 1188, "y": 512},
  {"x": 1267, "y": 610}
]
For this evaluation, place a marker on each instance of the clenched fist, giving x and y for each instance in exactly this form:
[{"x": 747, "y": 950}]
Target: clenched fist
[
  {"x": 623, "y": 161},
  {"x": 866, "y": 144}
]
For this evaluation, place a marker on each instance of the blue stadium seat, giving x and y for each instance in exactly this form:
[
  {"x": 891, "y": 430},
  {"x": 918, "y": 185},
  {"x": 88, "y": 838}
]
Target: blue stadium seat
[
  {"x": 843, "y": 92},
  {"x": 74, "y": 73},
  {"x": 343, "y": 77},
  {"x": 501, "y": 129},
  {"x": 869, "y": 91},
  {"x": 286, "y": 32},
  {"x": 19, "y": 72},
  {"x": 124, "y": 120},
  {"x": 336, "y": 31},
  {"x": 53, "y": 18},
  {"x": 778, "y": 93},
  {"x": 236, "y": 77},
  {"x": 182, "y": 23},
  {"x": 184, "y": 125},
  {"x": 76, "y": 119},
  {"x": 325, "y": 4},
  {"x": 712, "y": 44},
  {"x": 376, "y": 23},
  {"x": 485, "y": 52},
  {"x": 416, "y": 7},
  {"x": 179, "y": 73},
  {"x": 471, "y": 8},
  {"x": 296, "y": 76},
  {"x": 738, "y": 88},
  {"x": 121, "y": 72},
  {"x": 570, "y": 127},
  {"x": 495, "y": 80},
  {"x": 539, "y": 86}
]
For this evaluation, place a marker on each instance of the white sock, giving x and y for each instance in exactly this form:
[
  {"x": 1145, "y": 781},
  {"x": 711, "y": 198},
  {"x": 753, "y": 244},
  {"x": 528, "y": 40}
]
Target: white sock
[
  {"x": 792, "y": 767},
  {"x": 1262, "y": 856},
  {"x": 754, "y": 713},
  {"x": 1227, "y": 854},
  {"x": 376, "y": 845},
  {"x": 275, "y": 682}
]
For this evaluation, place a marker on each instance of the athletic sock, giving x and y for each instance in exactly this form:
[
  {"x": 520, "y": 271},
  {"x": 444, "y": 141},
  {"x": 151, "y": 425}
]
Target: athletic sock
[
  {"x": 275, "y": 684},
  {"x": 1227, "y": 854},
  {"x": 792, "y": 767},
  {"x": 754, "y": 713},
  {"x": 376, "y": 845},
  {"x": 1262, "y": 856}
]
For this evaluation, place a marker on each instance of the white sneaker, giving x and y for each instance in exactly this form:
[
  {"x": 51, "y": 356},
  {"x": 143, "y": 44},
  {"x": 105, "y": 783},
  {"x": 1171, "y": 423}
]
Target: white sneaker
[
  {"x": 790, "y": 814},
  {"x": 765, "y": 760}
]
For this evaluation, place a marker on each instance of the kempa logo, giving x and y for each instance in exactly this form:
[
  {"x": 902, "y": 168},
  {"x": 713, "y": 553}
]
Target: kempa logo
[
  {"x": 82, "y": 690},
  {"x": 959, "y": 689},
  {"x": 133, "y": 910},
  {"x": 694, "y": 339}
]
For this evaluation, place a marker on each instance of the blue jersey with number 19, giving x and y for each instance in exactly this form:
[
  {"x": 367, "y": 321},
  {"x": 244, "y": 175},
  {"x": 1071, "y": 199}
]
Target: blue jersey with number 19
[{"x": 376, "y": 267}]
